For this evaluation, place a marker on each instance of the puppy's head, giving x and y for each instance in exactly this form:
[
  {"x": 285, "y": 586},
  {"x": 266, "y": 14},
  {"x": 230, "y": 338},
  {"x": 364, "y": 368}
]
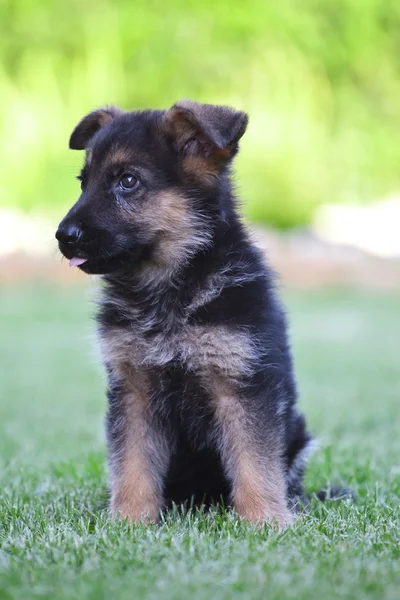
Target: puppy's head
[{"x": 149, "y": 184}]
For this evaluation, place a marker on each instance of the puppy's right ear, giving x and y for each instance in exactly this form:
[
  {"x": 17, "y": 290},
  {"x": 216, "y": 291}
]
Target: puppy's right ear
[{"x": 91, "y": 124}]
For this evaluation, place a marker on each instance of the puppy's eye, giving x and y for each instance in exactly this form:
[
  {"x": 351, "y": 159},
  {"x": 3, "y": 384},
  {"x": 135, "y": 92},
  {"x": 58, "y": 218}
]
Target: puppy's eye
[{"x": 128, "y": 182}]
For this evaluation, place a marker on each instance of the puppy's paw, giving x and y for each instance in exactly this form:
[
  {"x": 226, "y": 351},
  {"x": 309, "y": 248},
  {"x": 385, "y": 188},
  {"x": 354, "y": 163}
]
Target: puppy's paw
[
  {"x": 278, "y": 516},
  {"x": 135, "y": 510}
]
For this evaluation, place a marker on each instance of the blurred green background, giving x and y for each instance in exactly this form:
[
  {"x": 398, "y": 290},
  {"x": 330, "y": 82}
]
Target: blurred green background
[{"x": 321, "y": 85}]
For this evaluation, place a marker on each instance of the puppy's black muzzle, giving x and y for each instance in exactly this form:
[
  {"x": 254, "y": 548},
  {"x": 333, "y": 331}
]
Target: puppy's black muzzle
[
  {"x": 77, "y": 239},
  {"x": 69, "y": 233}
]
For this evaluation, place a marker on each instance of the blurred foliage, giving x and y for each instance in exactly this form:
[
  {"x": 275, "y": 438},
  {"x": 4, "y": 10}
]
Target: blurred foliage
[{"x": 319, "y": 78}]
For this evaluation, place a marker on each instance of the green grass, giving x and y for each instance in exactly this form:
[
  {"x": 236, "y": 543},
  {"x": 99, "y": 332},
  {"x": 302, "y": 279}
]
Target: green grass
[{"x": 56, "y": 538}]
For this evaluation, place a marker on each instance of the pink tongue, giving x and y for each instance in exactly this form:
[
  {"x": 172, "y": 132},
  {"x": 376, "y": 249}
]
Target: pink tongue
[{"x": 75, "y": 262}]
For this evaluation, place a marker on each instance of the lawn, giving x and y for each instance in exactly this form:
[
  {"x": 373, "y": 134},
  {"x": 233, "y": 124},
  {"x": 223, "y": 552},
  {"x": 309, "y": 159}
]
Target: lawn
[{"x": 56, "y": 537}]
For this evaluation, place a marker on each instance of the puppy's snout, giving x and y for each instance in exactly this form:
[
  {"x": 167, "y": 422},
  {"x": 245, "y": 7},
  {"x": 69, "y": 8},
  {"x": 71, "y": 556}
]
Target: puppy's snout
[{"x": 69, "y": 233}]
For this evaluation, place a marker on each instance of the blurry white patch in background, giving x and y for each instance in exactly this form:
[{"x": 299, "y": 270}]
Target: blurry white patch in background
[
  {"x": 373, "y": 229},
  {"x": 348, "y": 246},
  {"x": 26, "y": 234}
]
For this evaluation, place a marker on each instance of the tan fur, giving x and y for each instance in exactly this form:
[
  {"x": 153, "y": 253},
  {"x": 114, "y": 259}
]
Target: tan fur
[
  {"x": 259, "y": 494},
  {"x": 175, "y": 229},
  {"x": 118, "y": 155},
  {"x": 134, "y": 494},
  {"x": 136, "y": 487},
  {"x": 258, "y": 485},
  {"x": 178, "y": 231},
  {"x": 201, "y": 168},
  {"x": 204, "y": 349},
  {"x": 220, "y": 349}
]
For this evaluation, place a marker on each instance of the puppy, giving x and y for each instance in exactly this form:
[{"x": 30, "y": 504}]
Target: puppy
[{"x": 202, "y": 398}]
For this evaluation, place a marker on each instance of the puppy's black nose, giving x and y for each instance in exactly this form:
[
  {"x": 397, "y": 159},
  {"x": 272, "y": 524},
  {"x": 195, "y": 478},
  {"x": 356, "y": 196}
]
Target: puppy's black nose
[{"x": 69, "y": 234}]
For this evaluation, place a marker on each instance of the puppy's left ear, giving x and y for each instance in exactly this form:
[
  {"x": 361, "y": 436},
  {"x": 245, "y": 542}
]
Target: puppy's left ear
[
  {"x": 90, "y": 125},
  {"x": 206, "y": 130}
]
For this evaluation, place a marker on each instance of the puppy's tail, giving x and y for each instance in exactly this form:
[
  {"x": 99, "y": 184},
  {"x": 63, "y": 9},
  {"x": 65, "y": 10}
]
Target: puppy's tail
[
  {"x": 326, "y": 494},
  {"x": 334, "y": 493}
]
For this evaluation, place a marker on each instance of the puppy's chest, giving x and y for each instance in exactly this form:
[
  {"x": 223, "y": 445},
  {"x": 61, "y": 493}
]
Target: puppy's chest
[{"x": 196, "y": 348}]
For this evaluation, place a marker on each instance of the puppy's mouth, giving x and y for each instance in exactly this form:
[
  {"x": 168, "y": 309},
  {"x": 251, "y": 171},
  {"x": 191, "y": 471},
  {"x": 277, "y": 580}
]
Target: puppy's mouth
[
  {"x": 103, "y": 265},
  {"x": 76, "y": 261}
]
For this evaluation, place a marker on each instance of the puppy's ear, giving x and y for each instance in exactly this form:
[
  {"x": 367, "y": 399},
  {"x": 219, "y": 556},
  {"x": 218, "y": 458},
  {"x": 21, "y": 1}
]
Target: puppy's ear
[
  {"x": 90, "y": 125},
  {"x": 205, "y": 130}
]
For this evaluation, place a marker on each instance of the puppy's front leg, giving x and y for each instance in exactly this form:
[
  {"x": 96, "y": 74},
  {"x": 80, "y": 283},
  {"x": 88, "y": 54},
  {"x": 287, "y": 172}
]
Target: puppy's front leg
[
  {"x": 252, "y": 461},
  {"x": 138, "y": 456}
]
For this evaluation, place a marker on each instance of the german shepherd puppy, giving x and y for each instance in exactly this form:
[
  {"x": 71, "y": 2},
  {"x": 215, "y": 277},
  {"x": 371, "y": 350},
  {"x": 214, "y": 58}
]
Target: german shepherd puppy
[{"x": 202, "y": 398}]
